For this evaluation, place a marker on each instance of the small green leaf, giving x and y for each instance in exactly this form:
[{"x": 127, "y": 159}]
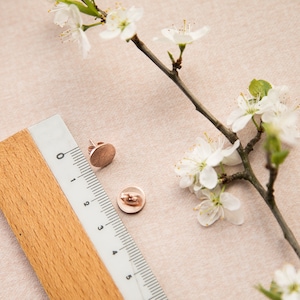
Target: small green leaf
[
  {"x": 181, "y": 48},
  {"x": 269, "y": 294},
  {"x": 278, "y": 158},
  {"x": 171, "y": 57},
  {"x": 88, "y": 10},
  {"x": 259, "y": 88},
  {"x": 274, "y": 288},
  {"x": 92, "y": 6},
  {"x": 272, "y": 143}
]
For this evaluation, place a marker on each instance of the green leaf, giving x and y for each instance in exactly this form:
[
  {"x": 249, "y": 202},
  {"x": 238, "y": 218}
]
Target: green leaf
[
  {"x": 84, "y": 9},
  {"x": 269, "y": 294},
  {"x": 91, "y": 5},
  {"x": 171, "y": 57},
  {"x": 259, "y": 88},
  {"x": 272, "y": 143},
  {"x": 181, "y": 48},
  {"x": 278, "y": 158}
]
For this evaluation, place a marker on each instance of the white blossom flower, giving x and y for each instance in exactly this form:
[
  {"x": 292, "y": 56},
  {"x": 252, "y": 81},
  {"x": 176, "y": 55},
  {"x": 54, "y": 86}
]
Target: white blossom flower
[
  {"x": 248, "y": 107},
  {"x": 216, "y": 205},
  {"x": 75, "y": 33},
  {"x": 121, "y": 21},
  {"x": 283, "y": 120},
  {"x": 196, "y": 169},
  {"x": 230, "y": 155},
  {"x": 182, "y": 36},
  {"x": 284, "y": 125},
  {"x": 288, "y": 282},
  {"x": 277, "y": 95}
]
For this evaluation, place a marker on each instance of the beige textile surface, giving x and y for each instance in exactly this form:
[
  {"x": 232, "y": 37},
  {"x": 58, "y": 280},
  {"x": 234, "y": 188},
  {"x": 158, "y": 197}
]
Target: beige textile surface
[{"x": 117, "y": 95}]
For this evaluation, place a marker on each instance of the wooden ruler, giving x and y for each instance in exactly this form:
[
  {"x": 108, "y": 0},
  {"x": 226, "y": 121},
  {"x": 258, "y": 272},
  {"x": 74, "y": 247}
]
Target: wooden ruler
[{"x": 64, "y": 221}]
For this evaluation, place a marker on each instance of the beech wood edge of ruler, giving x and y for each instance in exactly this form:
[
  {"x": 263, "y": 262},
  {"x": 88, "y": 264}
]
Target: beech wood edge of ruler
[{"x": 49, "y": 228}]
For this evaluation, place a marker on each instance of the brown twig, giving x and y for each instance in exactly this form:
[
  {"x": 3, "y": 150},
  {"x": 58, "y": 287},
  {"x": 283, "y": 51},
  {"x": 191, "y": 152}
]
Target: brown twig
[{"x": 247, "y": 174}]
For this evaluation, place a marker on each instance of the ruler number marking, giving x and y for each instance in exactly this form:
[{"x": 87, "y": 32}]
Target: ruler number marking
[{"x": 60, "y": 155}]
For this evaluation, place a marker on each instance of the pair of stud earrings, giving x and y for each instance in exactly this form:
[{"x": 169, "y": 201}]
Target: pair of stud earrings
[{"x": 131, "y": 199}]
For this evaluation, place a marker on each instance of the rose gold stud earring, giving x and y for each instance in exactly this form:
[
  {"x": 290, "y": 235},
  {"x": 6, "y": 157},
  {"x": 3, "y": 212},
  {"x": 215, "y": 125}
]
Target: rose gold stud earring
[
  {"x": 101, "y": 154},
  {"x": 131, "y": 200}
]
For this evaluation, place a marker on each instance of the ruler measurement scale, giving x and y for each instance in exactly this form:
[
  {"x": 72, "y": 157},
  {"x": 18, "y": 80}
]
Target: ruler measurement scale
[{"x": 113, "y": 243}]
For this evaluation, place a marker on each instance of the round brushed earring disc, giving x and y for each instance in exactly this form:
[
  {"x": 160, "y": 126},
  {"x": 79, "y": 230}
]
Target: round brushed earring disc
[
  {"x": 131, "y": 200},
  {"x": 102, "y": 155}
]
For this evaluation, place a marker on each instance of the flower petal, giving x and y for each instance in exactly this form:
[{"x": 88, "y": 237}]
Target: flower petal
[
  {"x": 264, "y": 105},
  {"x": 186, "y": 181},
  {"x": 229, "y": 150},
  {"x": 215, "y": 158},
  {"x": 61, "y": 14},
  {"x": 204, "y": 147},
  {"x": 241, "y": 122},
  {"x": 84, "y": 43},
  {"x": 199, "y": 33},
  {"x": 61, "y": 18},
  {"x": 208, "y": 177},
  {"x": 235, "y": 217},
  {"x": 229, "y": 201},
  {"x": 135, "y": 14},
  {"x": 286, "y": 276},
  {"x": 182, "y": 39},
  {"x": 128, "y": 32},
  {"x": 234, "y": 115},
  {"x": 292, "y": 296},
  {"x": 208, "y": 214},
  {"x": 231, "y": 156},
  {"x": 110, "y": 34},
  {"x": 186, "y": 167},
  {"x": 169, "y": 34},
  {"x": 232, "y": 160}
]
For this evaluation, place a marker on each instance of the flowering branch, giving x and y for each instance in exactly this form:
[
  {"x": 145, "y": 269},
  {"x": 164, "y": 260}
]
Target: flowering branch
[
  {"x": 247, "y": 174},
  {"x": 173, "y": 74},
  {"x": 197, "y": 168},
  {"x": 231, "y": 136}
]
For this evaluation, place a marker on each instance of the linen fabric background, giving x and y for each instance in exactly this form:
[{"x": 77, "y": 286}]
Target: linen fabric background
[{"x": 118, "y": 95}]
